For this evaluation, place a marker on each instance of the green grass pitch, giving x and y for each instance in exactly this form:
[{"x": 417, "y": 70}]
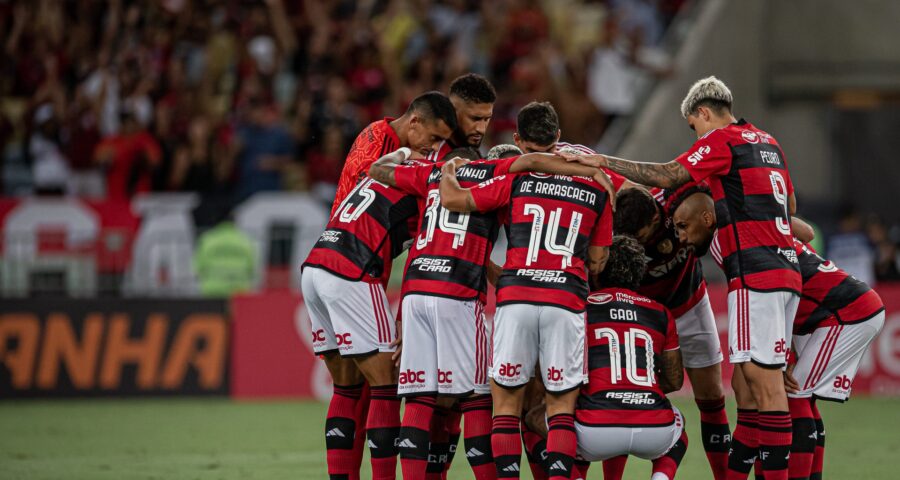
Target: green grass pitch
[{"x": 169, "y": 439}]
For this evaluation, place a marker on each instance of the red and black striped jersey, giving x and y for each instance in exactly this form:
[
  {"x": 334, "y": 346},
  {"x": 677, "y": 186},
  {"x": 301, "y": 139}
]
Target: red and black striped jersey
[
  {"x": 674, "y": 275},
  {"x": 375, "y": 141},
  {"x": 365, "y": 233},
  {"x": 749, "y": 181},
  {"x": 830, "y": 295},
  {"x": 451, "y": 250},
  {"x": 626, "y": 334},
  {"x": 551, "y": 220}
]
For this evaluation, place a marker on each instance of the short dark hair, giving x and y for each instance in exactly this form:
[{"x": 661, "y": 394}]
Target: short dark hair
[
  {"x": 434, "y": 105},
  {"x": 468, "y": 153},
  {"x": 626, "y": 264},
  {"x": 537, "y": 122},
  {"x": 674, "y": 198},
  {"x": 718, "y": 106},
  {"x": 635, "y": 208},
  {"x": 473, "y": 88}
]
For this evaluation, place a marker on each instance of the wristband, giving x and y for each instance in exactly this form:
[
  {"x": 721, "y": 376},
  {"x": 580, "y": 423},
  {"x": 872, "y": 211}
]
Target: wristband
[{"x": 405, "y": 151}]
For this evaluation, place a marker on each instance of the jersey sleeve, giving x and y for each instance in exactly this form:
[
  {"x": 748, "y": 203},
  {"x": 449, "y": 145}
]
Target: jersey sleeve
[
  {"x": 492, "y": 194},
  {"x": 708, "y": 156},
  {"x": 617, "y": 180},
  {"x": 413, "y": 179},
  {"x": 671, "y": 342},
  {"x": 602, "y": 234},
  {"x": 503, "y": 165}
]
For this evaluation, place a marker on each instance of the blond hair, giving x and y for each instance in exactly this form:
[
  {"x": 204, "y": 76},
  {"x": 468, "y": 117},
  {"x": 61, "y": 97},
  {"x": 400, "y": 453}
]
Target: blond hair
[{"x": 705, "y": 89}]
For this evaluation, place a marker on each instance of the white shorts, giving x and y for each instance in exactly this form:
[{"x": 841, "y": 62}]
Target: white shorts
[
  {"x": 524, "y": 334},
  {"x": 827, "y": 358},
  {"x": 698, "y": 336},
  {"x": 760, "y": 325},
  {"x": 353, "y": 318},
  {"x": 445, "y": 347},
  {"x": 603, "y": 443}
]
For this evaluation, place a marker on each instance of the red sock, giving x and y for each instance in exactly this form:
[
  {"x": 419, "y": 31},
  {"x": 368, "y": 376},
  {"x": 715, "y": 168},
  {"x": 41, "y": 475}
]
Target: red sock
[
  {"x": 716, "y": 435},
  {"x": 561, "y": 446},
  {"x": 382, "y": 430},
  {"x": 614, "y": 468},
  {"x": 668, "y": 464},
  {"x": 775, "y": 443},
  {"x": 439, "y": 445},
  {"x": 477, "y": 436},
  {"x": 506, "y": 446},
  {"x": 535, "y": 451},
  {"x": 359, "y": 441},
  {"x": 454, "y": 418},
  {"x": 340, "y": 431},
  {"x": 803, "y": 443},
  {"x": 580, "y": 469},
  {"x": 744, "y": 445},
  {"x": 414, "y": 436},
  {"x": 819, "y": 456}
]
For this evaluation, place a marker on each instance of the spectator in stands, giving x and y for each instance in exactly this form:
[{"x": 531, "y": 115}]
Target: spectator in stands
[
  {"x": 262, "y": 148},
  {"x": 225, "y": 261},
  {"x": 128, "y": 158},
  {"x": 50, "y": 167},
  {"x": 850, "y": 248}
]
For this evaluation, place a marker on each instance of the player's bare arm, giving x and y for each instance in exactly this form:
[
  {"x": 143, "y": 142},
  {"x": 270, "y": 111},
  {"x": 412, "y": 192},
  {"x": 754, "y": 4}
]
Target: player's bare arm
[
  {"x": 664, "y": 175},
  {"x": 382, "y": 170},
  {"x": 671, "y": 372},
  {"x": 454, "y": 197},
  {"x": 493, "y": 273},
  {"x": 558, "y": 165},
  {"x": 597, "y": 257},
  {"x": 802, "y": 230}
]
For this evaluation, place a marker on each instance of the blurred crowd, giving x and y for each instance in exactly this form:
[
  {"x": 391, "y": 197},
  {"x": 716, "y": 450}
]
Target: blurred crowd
[{"x": 227, "y": 98}]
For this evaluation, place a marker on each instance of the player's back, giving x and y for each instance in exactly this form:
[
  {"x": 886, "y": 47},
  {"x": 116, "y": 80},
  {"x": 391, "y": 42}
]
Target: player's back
[
  {"x": 552, "y": 220},
  {"x": 365, "y": 232},
  {"x": 831, "y": 296},
  {"x": 626, "y": 334}
]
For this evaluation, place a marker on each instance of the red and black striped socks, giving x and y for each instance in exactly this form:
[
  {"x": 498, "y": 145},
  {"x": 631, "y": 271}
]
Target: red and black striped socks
[
  {"x": 439, "y": 445},
  {"x": 716, "y": 435},
  {"x": 667, "y": 465},
  {"x": 614, "y": 468},
  {"x": 744, "y": 445},
  {"x": 535, "y": 450},
  {"x": 803, "y": 443},
  {"x": 775, "y": 429},
  {"x": 506, "y": 445},
  {"x": 382, "y": 430},
  {"x": 477, "y": 435},
  {"x": 340, "y": 432},
  {"x": 415, "y": 436},
  {"x": 819, "y": 456},
  {"x": 454, "y": 418},
  {"x": 561, "y": 446}
]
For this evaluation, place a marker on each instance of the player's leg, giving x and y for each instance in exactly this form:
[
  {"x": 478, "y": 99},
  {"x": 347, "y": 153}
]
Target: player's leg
[
  {"x": 563, "y": 370},
  {"x": 702, "y": 357},
  {"x": 454, "y": 429},
  {"x": 417, "y": 384},
  {"x": 341, "y": 426},
  {"x": 439, "y": 444},
  {"x": 534, "y": 427},
  {"x": 515, "y": 347},
  {"x": 803, "y": 443},
  {"x": 665, "y": 466},
  {"x": 745, "y": 437},
  {"x": 614, "y": 468},
  {"x": 759, "y": 346},
  {"x": 367, "y": 329},
  {"x": 819, "y": 456}
]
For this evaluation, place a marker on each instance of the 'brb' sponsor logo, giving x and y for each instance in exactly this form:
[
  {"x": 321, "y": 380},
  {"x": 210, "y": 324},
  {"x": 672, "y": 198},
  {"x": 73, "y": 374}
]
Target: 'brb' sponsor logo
[
  {"x": 509, "y": 370},
  {"x": 445, "y": 376},
  {"x": 318, "y": 336},
  {"x": 780, "y": 346},
  {"x": 412, "y": 376},
  {"x": 842, "y": 382},
  {"x": 695, "y": 157},
  {"x": 554, "y": 374},
  {"x": 343, "y": 339}
]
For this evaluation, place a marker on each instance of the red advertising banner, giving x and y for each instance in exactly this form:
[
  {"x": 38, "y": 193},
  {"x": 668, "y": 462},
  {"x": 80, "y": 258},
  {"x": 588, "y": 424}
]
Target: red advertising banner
[{"x": 272, "y": 352}]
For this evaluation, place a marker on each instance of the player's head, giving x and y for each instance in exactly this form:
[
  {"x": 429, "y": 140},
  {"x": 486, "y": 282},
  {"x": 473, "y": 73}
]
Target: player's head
[
  {"x": 637, "y": 214},
  {"x": 468, "y": 153},
  {"x": 473, "y": 97},
  {"x": 537, "y": 128},
  {"x": 694, "y": 217},
  {"x": 431, "y": 120},
  {"x": 504, "y": 150},
  {"x": 625, "y": 265},
  {"x": 707, "y": 105}
]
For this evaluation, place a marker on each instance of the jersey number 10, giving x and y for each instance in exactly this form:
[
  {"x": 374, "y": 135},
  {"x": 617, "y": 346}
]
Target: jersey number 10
[{"x": 615, "y": 355}]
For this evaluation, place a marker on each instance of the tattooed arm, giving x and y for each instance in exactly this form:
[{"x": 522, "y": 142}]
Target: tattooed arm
[
  {"x": 453, "y": 196},
  {"x": 665, "y": 175},
  {"x": 671, "y": 372},
  {"x": 382, "y": 170}
]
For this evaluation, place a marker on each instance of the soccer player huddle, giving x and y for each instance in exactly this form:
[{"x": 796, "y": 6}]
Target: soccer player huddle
[{"x": 601, "y": 301}]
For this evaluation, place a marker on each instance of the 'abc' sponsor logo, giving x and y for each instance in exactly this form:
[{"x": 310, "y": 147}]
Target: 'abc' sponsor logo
[
  {"x": 412, "y": 376},
  {"x": 445, "y": 376},
  {"x": 842, "y": 382},
  {"x": 343, "y": 339},
  {"x": 510, "y": 370},
  {"x": 554, "y": 374},
  {"x": 318, "y": 336},
  {"x": 780, "y": 346}
]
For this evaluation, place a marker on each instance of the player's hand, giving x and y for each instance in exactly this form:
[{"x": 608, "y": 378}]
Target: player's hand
[
  {"x": 596, "y": 161},
  {"x": 449, "y": 168},
  {"x": 603, "y": 179},
  {"x": 398, "y": 342},
  {"x": 790, "y": 383}
]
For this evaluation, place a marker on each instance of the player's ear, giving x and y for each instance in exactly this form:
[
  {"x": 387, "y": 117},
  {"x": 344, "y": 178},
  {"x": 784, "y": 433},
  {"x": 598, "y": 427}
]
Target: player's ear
[
  {"x": 558, "y": 134},
  {"x": 707, "y": 219}
]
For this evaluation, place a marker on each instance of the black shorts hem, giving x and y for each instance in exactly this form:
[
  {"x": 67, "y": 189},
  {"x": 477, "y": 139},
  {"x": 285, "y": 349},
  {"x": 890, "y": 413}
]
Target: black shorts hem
[
  {"x": 563, "y": 391},
  {"x": 458, "y": 395},
  {"x": 510, "y": 387},
  {"x": 829, "y": 399},
  {"x": 358, "y": 355},
  {"x": 767, "y": 366},
  {"x": 430, "y": 393},
  {"x": 326, "y": 352}
]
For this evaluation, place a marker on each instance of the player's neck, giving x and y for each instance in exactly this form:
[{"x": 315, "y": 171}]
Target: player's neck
[{"x": 400, "y": 127}]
